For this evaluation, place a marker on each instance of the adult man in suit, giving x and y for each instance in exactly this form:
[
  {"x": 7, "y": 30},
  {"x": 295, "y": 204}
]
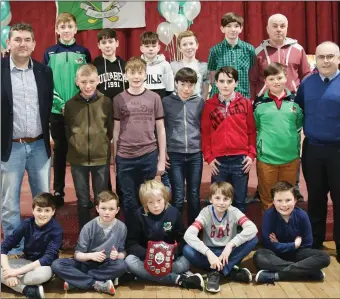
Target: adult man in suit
[
  {"x": 26, "y": 100},
  {"x": 319, "y": 98}
]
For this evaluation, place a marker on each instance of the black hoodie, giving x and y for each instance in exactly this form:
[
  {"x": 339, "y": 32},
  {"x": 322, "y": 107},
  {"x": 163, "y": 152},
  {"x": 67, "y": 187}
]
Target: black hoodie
[{"x": 111, "y": 76}]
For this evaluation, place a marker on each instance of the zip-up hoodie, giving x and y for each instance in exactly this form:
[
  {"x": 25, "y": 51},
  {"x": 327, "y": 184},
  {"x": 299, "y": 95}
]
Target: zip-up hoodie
[
  {"x": 228, "y": 132},
  {"x": 112, "y": 80},
  {"x": 160, "y": 77},
  {"x": 64, "y": 60},
  {"x": 89, "y": 129},
  {"x": 182, "y": 123},
  {"x": 291, "y": 54}
]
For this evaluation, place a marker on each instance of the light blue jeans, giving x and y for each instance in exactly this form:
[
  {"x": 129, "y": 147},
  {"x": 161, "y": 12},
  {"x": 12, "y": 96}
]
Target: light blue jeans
[
  {"x": 136, "y": 266},
  {"x": 31, "y": 157}
]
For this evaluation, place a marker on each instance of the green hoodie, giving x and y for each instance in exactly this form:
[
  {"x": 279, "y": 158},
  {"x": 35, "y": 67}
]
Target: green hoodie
[{"x": 278, "y": 130}]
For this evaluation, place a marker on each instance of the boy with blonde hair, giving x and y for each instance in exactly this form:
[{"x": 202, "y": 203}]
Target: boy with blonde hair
[
  {"x": 42, "y": 236},
  {"x": 156, "y": 221},
  {"x": 89, "y": 128},
  {"x": 137, "y": 112},
  {"x": 222, "y": 247},
  {"x": 188, "y": 45},
  {"x": 99, "y": 254},
  {"x": 64, "y": 58}
]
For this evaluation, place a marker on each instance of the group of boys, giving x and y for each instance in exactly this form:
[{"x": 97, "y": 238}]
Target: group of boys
[{"x": 130, "y": 103}]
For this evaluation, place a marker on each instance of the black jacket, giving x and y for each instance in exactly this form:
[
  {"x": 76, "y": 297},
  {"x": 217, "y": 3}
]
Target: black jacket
[{"x": 44, "y": 79}]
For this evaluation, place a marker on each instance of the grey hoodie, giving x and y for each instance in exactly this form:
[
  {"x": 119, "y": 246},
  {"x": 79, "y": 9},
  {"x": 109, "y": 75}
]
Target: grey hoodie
[{"x": 182, "y": 123}]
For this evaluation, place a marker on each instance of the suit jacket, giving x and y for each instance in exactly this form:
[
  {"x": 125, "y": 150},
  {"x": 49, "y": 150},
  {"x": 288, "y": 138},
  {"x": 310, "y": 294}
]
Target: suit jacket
[{"x": 44, "y": 79}]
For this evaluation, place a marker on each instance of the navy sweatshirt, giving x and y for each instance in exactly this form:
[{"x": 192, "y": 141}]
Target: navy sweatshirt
[
  {"x": 286, "y": 232},
  {"x": 167, "y": 226},
  {"x": 41, "y": 243},
  {"x": 320, "y": 103}
]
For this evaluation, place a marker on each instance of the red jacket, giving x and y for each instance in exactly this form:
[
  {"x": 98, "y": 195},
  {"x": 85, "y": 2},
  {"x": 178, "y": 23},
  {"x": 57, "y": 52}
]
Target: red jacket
[{"x": 228, "y": 133}]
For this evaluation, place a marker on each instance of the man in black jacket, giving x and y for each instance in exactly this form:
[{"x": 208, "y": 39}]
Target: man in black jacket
[{"x": 26, "y": 100}]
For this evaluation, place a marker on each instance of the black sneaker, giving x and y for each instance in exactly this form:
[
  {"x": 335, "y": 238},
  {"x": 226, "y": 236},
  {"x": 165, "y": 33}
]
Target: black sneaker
[
  {"x": 191, "y": 282},
  {"x": 34, "y": 292},
  {"x": 264, "y": 276},
  {"x": 320, "y": 275},
  {"x": 125, "y": 278},
  {"x": 58, "y": 199},
  {"x": 240, "y": 274},
  {"x": 213, "y": 282}
]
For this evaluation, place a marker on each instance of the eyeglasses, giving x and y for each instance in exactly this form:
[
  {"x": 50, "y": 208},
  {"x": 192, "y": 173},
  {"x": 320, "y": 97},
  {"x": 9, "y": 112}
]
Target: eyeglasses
[{"x": 329, "y": 57}]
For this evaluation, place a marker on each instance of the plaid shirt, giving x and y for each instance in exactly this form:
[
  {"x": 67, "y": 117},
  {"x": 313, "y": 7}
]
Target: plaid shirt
[{"x": 241, "y": 57}]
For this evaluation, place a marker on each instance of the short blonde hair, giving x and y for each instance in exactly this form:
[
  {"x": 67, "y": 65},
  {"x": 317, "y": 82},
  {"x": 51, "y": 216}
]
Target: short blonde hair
[
  {"x": 152, "y": 188},
  {"x": 184, "y": 34},
  {"x": 225, "y": 188},
  {"x": 105, "y": 196},
  {"x": 135, "y": 64},
  {"x": 86, "y": 70},
  {"x": 65, "y": 17}
]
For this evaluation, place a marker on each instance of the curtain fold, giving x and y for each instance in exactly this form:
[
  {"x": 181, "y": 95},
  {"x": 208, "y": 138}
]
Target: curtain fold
[{"x": 310, "y": 22}]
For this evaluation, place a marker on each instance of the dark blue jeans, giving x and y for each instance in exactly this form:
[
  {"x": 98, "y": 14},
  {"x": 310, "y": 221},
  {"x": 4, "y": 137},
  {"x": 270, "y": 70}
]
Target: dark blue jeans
[
  {"x": 186, "y": 167},
  {"x": 231, "y": 171},
  {"x": 83, "y": 275},
  {"x": 199, "y": 260},
  {"x": 131, "y": 173}
]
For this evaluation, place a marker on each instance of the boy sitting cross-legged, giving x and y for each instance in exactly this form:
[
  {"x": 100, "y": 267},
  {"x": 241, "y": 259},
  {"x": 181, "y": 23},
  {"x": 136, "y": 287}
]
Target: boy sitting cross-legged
[
  {"x": 222, "y": 247},
  {"x": 42, "y": 240},
  {"x": 99, "y": 254}
]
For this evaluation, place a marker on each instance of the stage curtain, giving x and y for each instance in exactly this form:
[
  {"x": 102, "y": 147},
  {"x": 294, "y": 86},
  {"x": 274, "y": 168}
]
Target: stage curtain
[{"x": 310, "y": 22}]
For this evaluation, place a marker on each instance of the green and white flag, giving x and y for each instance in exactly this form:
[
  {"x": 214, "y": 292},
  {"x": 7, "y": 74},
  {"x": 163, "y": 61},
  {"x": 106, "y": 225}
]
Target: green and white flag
[{"x": 105, "y": 14}]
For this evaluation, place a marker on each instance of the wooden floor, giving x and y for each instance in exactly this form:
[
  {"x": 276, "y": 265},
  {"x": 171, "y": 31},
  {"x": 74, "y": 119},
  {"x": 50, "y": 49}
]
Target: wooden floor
[{"x": 329, "y": 288}]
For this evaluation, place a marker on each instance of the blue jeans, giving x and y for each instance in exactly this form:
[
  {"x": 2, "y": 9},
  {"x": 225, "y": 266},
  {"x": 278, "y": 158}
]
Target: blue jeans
[
  {"x": 231, "y": 171},
  {"x": 131, "y": 173},
  {"x": 199, "y": 260},
  {"x": 186, "y": 167},
  {"x": 81, "y": 180},
  {"x": 83, "y": 275},
  {"x": 31, "y": 157},
  {"x": 136, "y": 266}
]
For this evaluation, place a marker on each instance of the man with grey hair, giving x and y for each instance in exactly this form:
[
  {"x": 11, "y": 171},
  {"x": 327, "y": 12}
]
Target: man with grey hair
[
  {"x": 319, "y": 97},
  {"x": 26, "y": 101}
]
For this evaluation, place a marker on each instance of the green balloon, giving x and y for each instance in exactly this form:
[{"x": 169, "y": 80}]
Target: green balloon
[
  {"x": 4, "y": 35},
  {"x": 5, "y": 8}
]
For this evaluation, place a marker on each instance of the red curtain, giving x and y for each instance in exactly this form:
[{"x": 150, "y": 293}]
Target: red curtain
[{"x": 309, "y": 22}]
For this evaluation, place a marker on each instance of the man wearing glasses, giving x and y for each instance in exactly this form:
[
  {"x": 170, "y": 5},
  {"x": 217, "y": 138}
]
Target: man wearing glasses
[{"x": 319, "y": 97}]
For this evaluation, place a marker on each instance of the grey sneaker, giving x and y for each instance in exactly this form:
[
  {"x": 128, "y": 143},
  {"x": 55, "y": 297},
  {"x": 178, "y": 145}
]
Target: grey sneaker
[
  {"x": 105, "y": 287},
  {"x": 213, "y": 282}
]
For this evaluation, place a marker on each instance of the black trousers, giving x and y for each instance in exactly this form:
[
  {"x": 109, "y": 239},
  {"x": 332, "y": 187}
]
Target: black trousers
[
  {"x": 321, "y": 169},
  {"x": 60, "y": 152},
  {"x": 300, "y": 264}
]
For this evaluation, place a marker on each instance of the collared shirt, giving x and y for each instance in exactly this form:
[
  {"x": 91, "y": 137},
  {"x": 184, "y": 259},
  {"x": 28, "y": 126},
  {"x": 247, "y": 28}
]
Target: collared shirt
[
  {"x": 277, "y": 100},
  {"x": 26, "y": 115},
  {"x": 331, "y": 77},
  {"x": 241, "y": 57},
  {"x": 226, "y": 102}
]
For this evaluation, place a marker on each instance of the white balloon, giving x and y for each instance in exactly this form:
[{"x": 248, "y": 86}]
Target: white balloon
[
  {"x": 191, "y": 9},
  {"x": 164, "y": 33},
  {"x": 179, "y": 25},
  {"x": 169, "y": 9},
  {"x": 7, "y": 20}
]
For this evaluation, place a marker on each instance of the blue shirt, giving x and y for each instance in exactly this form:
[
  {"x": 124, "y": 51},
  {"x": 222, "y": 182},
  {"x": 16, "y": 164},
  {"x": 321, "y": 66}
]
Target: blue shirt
[
  {"x": 286, "y": 232},
  {"x": 41, "y": 243}
]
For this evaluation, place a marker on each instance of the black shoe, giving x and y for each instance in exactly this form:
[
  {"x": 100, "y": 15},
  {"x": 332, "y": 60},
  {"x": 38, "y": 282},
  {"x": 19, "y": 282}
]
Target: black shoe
[
  {"x": 264, "y": 276},
  {"x": 240, "y": 274},
  {"x": 191, "y": 282},
  {"x": 34, "y": 292},
  {"x": 125, "y": 278},
  {"x": 213, "y": 282},
  {"x": 58, "y": 199},
  {"x": 317, "y": 245}
]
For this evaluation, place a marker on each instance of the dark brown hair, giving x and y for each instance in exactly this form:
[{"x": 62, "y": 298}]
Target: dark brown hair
[
  {"x": 275, "y": 68},
  {"x": 106, "y": 33},
  {"x": 282, "y": 187},
  {"x": 43, "y": 200},
  {"x": 231, "y": 17},
  {"x": 186, "y": 74},
  {"x": 21, "y": 27},
  {"x": 229, "y": 71},
  {"x": 149, "y": 37}
]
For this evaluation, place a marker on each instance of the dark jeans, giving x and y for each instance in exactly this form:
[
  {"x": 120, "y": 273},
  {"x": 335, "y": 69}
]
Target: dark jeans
[
  {"x": 321, "y": 169},
  {"x": 231, "y": 171},
  {"x": 186, "y": 168},
  {"x": 83, "y": 275},
  {"x": 304, "y": 263},
  {"x": 60, "y": 152},
  {"x": 131, "y": 173},
  {"x": 199, "y": 260},
  {"x": 81, "y": 180}
]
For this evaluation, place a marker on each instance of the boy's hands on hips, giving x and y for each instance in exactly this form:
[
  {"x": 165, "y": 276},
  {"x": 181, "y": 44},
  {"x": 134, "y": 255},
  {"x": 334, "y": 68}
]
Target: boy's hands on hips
[
  {"x": 247, "y": 163},
  {"x": 214, "y": 167}
]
